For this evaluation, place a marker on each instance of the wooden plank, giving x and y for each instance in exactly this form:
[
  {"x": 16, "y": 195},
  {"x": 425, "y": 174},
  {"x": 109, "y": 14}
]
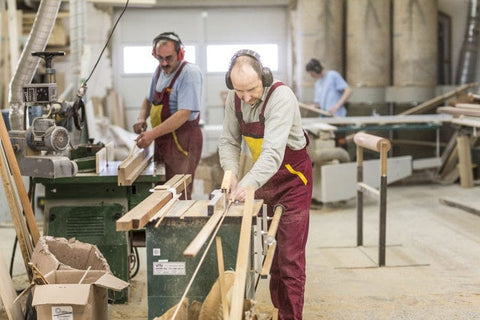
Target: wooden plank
[
  {"x": 199, "y": 209},
  {"x": 465, "y": 161},
  {"x": 133, "y": 166},
  {"x": 459, "y": 111},
  {"x": 20, "y": 186},
  {"x": 8, "y": 293},
  {"x": 473, "y": 122},
  {"x": 474, "y": 106},
  {"x": 221, "y": 278},
  {"x": 236, "y": 210},
  {"x": 241, "y": 267},
  {"x": 432, "y": 103},
  {"x": 313, "y": 109},
  {"x": 100, "y": 160},
  {"x": 110, "y": 152},
  {"x": 180, "y": 207},
  {"x": 177, "y": 182},
  {"x": 25, "y": 244},
  {"x": 164, "y": 211},
  {"x": 139, "y": 216},
  {"x": 202, "y": 236}
]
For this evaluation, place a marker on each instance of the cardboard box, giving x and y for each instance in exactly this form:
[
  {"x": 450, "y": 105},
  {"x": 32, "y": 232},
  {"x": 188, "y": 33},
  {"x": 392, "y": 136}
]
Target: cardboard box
[
  {"x": 75, "y": 295},
  {"x": 52, "y": 253},
  {"x": 78, "y": 277}
]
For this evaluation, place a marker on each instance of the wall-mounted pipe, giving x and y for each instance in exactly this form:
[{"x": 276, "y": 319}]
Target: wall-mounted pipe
[
  {"x": 27, "y": 64},
  {"x": 78, "y": 27},
  {"x": 467, "y": 63}
]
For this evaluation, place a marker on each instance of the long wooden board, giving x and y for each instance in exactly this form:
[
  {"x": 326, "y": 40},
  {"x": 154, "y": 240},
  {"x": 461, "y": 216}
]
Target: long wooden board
[
  {"x": 202, "y": 236},
  {"x": 8, "y": 293},
  {"x": 15, "y": 207},
  {"x": 20, "y": 187},
  {"x": 241, "y": 267},
  {"x": 436, "y": 101}
]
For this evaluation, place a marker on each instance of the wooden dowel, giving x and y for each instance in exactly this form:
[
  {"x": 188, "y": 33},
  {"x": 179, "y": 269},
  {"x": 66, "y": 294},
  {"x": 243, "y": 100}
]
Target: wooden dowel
[
  {"x": 272, "y": 231},
  {"x": 267, "y": 264},
  {"x": 371, "y": 142}
]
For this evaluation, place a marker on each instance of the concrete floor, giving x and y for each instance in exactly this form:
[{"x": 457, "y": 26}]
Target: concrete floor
[{"x": 432, "y": 260}]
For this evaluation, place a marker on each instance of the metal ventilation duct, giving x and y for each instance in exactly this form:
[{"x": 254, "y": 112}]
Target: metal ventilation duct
[
  {"x": 37, "y": 41},
  {"x": 467, "y": 63}
]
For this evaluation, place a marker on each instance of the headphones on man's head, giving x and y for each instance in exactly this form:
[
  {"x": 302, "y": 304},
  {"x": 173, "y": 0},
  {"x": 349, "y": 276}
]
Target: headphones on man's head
[
  {"x": 175, "y": 38},
  {"x": 263, "y": 72}
]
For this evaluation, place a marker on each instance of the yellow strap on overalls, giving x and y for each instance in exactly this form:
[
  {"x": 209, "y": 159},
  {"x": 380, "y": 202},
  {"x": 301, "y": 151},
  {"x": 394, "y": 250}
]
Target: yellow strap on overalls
[
  {"x": 156, "y": 119},
  {"x": 298, "y": 173}
]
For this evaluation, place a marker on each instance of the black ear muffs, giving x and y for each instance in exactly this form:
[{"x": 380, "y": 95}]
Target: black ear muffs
[
  {"x": 175, "y": 38},
  {"x": 266, "y": 73}
]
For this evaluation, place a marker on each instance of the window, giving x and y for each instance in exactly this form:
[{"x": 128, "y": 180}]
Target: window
[
  {"x": 218, "y": 56},
  {"x": 139, "y": 59}
]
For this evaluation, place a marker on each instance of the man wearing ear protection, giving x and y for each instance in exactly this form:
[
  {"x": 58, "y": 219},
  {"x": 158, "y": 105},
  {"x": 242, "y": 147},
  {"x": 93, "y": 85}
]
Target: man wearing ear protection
[
  {"x": 264, "y": 113},
  {"x": 173, "y": 105}
]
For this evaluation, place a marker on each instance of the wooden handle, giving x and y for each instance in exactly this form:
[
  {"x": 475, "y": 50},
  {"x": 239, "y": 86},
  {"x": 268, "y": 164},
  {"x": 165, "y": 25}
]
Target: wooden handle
[
  {"x": 371, "y": 142},
  {"x": 272, "y": 231}
]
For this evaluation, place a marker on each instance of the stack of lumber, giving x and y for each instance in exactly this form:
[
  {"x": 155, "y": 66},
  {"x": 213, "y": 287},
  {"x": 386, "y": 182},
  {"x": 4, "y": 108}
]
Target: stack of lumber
[
  {"x": 469, "y": 108},
  {"x": 458, "y": 161}
]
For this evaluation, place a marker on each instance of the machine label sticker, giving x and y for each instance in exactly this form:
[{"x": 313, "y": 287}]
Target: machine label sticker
[
  {"x": 156, "y": 252},
  {"x": 164, "y": 268},
  {"x": 62, "y": 313}
]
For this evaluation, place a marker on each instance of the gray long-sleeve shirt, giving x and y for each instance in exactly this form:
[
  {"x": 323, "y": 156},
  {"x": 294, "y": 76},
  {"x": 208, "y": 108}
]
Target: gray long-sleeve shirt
[{"x": 283, "y": 127}]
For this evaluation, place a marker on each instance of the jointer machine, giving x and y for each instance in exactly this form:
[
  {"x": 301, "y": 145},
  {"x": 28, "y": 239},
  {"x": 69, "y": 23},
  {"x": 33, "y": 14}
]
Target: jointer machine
[
  {"x": 86, "y": 191},
  {"x": 181, "y": 265}
]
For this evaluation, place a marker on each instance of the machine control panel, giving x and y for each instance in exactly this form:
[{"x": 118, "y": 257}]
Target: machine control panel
[{"x": 40, "y": 93}]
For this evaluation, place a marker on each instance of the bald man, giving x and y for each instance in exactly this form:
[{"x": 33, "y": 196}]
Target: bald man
[{"x": 265, "y": 114}]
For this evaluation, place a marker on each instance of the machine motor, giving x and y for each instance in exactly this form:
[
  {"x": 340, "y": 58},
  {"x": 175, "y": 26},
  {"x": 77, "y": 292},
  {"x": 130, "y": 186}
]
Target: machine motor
[{"x": 43, "y": 134}]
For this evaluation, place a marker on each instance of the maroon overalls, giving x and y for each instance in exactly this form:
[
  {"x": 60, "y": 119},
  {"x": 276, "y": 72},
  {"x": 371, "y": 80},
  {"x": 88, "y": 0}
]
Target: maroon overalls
[
  {"x": 181, "y": 150},
  {"x": 287, "y": 282}
]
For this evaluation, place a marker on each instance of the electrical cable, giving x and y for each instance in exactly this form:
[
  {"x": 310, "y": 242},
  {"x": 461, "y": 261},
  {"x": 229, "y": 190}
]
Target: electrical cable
[
  {"x": 106, "y": 43},
  {"x": 136, "y": 263}
]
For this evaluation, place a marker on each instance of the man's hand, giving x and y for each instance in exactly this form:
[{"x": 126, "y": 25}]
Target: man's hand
[
  {"x": 236, "y": 193},
  {"x": 140, "y": 126},
  {"x": 144, "y": 139}
]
